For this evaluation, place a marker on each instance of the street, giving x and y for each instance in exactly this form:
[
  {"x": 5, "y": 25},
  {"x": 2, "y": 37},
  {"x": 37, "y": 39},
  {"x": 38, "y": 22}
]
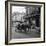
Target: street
[{"x": 32, "y": 34}]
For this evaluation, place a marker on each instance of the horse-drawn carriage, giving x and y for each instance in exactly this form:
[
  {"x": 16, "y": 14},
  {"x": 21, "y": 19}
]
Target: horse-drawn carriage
[{"x": 23, "y": 27}]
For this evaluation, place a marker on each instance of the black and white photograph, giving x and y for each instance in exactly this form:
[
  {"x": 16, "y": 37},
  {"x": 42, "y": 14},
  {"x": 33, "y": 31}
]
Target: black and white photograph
[{"x": 25, "y": 22}]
